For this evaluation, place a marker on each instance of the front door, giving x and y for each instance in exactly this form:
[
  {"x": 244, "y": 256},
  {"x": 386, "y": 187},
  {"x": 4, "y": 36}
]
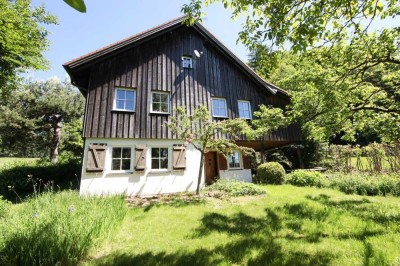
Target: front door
[{"x": 210, "y": 163}]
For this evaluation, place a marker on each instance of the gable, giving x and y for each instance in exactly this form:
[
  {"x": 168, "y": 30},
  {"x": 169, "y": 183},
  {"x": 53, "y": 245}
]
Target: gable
[{"x": 79, "y": 69}]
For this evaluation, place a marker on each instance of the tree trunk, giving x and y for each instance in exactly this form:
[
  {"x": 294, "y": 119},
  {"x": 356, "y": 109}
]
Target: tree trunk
[
  {"x": 55, "y": 142},
  {"x": 200, "y": 172},
  {"x": 300, "y": 158}
]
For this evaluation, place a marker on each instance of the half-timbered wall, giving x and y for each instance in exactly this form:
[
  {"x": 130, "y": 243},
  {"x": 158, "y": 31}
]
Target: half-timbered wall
[{"x": 156, "y": 65}]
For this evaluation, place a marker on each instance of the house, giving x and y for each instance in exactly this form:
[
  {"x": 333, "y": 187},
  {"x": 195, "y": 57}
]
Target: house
[{"x": 133, "y": 87}]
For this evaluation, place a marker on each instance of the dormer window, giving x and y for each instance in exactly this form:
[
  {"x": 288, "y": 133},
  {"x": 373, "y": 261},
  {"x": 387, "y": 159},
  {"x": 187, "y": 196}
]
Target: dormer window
[{"x": 187, "y": 62}]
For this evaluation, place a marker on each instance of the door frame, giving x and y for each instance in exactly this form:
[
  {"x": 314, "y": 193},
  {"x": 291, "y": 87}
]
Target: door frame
[{"x": 213, "y": 179}]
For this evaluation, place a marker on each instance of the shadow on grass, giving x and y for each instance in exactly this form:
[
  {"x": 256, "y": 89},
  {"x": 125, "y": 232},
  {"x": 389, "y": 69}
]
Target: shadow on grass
[
  {"x": 287, "y": 235},
  {"x": 362, "y": 208},
  {"x": 256, "y": 242}
]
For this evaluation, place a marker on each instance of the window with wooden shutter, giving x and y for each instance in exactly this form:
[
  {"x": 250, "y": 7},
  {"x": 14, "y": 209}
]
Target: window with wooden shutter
[
  {"x": 96, "y": 158},
  {"x": 222, "y": 162},
  {"x": 246, "y": 161},
  {"x": 140, "y": 157},
  {"x": 179, "y": 157}
]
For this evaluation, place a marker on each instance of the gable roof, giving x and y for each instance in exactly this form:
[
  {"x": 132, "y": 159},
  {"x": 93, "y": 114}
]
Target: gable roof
[{"x": 75, "y": 66}]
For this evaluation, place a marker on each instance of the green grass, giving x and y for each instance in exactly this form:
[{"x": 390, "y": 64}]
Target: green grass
[
  {"x": 12, "y": 160},
  {"x": 56, "y": 228},
  {"x": 288, "y": 226}
]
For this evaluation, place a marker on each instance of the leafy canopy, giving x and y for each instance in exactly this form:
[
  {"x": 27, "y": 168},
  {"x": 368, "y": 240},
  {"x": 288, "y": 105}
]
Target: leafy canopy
[
  {"x": 22, "y": 40},
  {"x": 300, "y": 24},
  {"x": 22, "y": 130}
]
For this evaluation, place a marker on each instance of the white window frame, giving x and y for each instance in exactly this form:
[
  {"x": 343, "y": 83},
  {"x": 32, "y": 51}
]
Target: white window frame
[
  {"x": 168, "y": 102},
  {"x": 190, "y": 59},
  {"x": 168, "y": 158},
  {"x": 115, "y": 99},
  {"x": 240, "y": 160},
  {"x": 121, "y": 158},
  {"x": 249, "y": 105},
  {"x": 212, "y": 106}
]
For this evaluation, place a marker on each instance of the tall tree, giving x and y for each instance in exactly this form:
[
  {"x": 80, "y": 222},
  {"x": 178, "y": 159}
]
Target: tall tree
[
  {"x": 301, "y": 24},
  {"x": 22, "y": 129},
  {"x": 23, "y": 40},
  {"x": 328, "y": 98}
]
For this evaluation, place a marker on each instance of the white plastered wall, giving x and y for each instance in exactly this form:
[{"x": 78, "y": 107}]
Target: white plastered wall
[
  {"x": 236, "y": 174},
  {"x": 144, "y": 183}
]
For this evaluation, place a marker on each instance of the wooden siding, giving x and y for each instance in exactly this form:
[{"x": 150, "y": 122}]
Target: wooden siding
[{"x": 156, "y": 65}]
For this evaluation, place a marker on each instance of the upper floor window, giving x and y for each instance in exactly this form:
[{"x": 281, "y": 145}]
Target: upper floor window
[
  {"x": 160, "y": 102},
  {"x": 234, "y": 160},
  {"x": 187, "y": 62},
  {"x": 124, "y": 99},
  {"x": 244, "y": 109},
  {"x": 159, "y": 158},
  {"x": 121, "y": 158},
  {"x": 219, "y": 107}
]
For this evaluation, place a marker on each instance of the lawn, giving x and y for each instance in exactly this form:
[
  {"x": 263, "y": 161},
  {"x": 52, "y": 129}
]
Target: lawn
[
  {"x": 10, "y": 160},
  {"x": 288, "y": 226}
]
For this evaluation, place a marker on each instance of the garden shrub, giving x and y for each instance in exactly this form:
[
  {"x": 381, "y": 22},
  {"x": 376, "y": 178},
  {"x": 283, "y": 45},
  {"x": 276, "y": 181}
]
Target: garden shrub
[
  {"x": 236, "y": 188},
  {"x": 382, "y": 185},
  {"x": 19, "y": 180},
  {"x": 304, "y": 178},
  {"x": 270, "y": 173},
  {"x": 58, "y": 228}
]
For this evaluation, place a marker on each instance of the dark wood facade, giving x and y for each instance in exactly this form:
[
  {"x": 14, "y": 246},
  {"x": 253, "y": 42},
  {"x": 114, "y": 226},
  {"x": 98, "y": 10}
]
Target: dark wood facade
[{"x": 155, "y": 65}]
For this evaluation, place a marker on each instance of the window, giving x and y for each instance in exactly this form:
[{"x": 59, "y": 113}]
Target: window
[
  {"x": 124, "y": 99},
  {"x": 159, "y": 158},
  {"x": 234, "y": 160},
  {"x": 219, "y": 107},
  {"x": 121, "y": 158},
  {"x": 187, "y": 62},
  {"x": 160, "y": 102},
  {"x": 244, "y": 109}
]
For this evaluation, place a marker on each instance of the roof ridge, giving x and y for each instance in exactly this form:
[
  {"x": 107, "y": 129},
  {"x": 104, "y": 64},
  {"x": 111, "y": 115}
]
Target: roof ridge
[{"x": 172, "y": 21}]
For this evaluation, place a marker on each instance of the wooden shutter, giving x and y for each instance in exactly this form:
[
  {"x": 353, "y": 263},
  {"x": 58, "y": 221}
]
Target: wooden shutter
[
  {"x": 96, "y": 157},
  {"x": 179, "y": 157},
  {"x": 140, "y": 157},
  {"x": 222, "y": 162},
  {"x": 246, "y": 161}
]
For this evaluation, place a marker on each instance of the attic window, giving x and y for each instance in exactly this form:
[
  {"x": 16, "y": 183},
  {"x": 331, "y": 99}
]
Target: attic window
[
  {"x": 124, "y": 99},
  {"x": 187, "y": 61}
]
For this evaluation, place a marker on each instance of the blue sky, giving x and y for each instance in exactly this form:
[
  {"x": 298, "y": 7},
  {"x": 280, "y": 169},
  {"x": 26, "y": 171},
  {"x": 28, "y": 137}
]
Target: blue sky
[{"x": 109, "y": 21}]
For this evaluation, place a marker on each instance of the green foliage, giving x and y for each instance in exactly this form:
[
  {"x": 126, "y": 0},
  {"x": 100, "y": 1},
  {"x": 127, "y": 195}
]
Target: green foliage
[
  {"x": 78, "y": 5},
  {"x": 23, "y": 41},
  {"x": 21, "y": 179},
  {"x": 199, "y": 129},
  {"x": 300, "y": 24},
  {"x": 4, "y": 206},
  {"x": 236, "y": 188},
  {"x": 270, "y": 173},
  {"x": 22, "y": 130},
  {"x": 57, "y": 228},
  {"x": 343, "y": 88},
  {"x": 370, "y": 185},
  {"x": 380, "y": 185},
  {"x": 303, "y": 178},
  {"x": 290, "y": 226}
]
